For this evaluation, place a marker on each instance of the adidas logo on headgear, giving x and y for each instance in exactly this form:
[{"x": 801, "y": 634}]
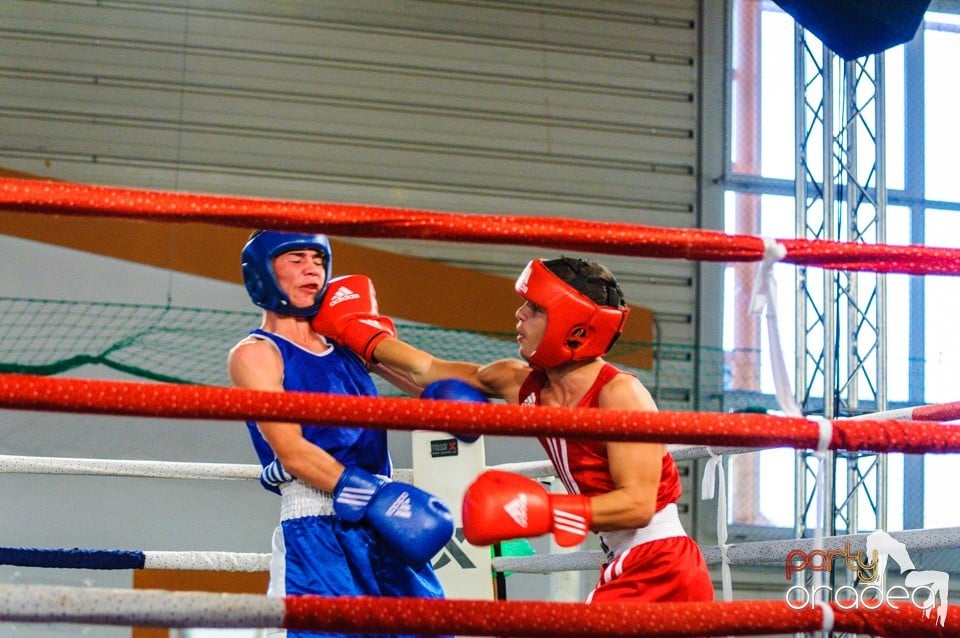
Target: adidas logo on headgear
[{"x": 342, "y": 294}]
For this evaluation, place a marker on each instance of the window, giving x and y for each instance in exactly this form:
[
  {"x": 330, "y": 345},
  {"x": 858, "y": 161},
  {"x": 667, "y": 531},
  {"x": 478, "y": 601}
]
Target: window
[{"x": 923, "y": 196}]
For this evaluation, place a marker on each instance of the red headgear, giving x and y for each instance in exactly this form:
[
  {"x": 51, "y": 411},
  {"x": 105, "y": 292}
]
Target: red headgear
[{"x": 577, "y": 328}]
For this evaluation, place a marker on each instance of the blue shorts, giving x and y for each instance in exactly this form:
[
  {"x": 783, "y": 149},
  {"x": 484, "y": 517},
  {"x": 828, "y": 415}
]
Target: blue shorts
[{"x": 324, "y": 556}]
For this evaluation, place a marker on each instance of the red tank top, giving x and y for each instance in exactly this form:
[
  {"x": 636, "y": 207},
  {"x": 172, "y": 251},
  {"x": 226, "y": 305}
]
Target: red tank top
[{"x": 582, "y": 465}]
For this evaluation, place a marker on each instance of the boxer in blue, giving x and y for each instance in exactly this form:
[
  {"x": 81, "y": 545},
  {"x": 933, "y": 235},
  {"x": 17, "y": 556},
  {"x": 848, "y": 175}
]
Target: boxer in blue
[{"x": 346, "y": 529}]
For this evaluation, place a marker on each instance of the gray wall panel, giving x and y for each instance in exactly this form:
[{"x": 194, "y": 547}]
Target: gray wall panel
[{"x": 582, "y": 109}]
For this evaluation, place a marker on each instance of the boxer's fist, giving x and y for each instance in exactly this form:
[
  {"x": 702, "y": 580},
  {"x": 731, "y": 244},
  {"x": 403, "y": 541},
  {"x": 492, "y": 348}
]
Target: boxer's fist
[
  {"x": 455, "y": 390},
  {"x": 414, "y": 524},
  {"x": 502, "y": 505},
  {"x": 349, "y": 315}
]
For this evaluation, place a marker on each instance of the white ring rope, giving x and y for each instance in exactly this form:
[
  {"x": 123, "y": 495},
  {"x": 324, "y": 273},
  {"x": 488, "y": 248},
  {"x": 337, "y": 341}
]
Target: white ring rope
[
  {"x": 207, "y": 561},
  {"x": 692, "y": 452},
  {"x": 106, "y": 467},
  {"x": 149, "y": 469},
  {"x": 13, "y": 464},
  {"x": 157, "y": 608},
  {"x": 19, "y": 464},
  {"x": 776, "y": 551}
]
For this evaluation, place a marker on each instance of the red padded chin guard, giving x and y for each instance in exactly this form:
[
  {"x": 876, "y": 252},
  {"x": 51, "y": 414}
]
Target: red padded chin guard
[{"x": 577, "y": 328}]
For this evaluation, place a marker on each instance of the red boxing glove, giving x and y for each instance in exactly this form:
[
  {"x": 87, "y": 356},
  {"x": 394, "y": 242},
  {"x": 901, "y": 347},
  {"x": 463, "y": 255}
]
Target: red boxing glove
[
  {"x": 502, "y": 505},
  {"x": 348, "y": 315}
]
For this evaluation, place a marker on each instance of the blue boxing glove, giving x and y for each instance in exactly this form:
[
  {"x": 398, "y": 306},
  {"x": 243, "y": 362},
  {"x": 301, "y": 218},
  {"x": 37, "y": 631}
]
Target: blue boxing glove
[
  {"x": 412, "y": 523},
  {"x": 455, "y": 390}
]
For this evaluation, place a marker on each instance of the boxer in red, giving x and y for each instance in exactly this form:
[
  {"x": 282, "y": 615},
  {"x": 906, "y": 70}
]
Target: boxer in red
[{"x": 573, "y": 312}]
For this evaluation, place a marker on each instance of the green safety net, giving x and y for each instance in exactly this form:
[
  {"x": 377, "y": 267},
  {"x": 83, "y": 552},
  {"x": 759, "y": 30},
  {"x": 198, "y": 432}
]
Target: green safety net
[
  {"x": 190, "y": 345},
  {"x": 162, "y": 343}
]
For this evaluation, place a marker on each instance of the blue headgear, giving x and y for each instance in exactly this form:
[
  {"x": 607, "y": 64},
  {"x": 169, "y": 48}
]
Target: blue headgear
[{"x": 256, "y": 262}]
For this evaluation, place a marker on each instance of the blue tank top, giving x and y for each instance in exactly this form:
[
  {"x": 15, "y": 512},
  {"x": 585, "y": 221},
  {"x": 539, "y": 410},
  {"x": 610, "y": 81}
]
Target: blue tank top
[{"x": 336, "y": 371}]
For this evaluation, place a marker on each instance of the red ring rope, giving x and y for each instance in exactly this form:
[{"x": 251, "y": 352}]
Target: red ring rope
[
  {"x": 529, "y": 618},
  {"x": 637, "y": 620},
  {"x": 695, "y": 428},
  {"x": 41, "y": 196}
]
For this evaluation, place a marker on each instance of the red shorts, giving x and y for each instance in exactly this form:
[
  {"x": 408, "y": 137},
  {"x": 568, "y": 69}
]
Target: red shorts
[{"x": 668, "y": 569}]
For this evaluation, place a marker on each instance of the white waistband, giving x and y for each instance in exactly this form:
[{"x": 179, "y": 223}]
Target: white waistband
[
  {"x": 664, "y": 524},
  {"x": 299, "y": 499}
]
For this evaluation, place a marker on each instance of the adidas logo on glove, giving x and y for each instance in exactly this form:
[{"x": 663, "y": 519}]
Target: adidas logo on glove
[
  {"x": 342, "y": 294},
  {"x": 373, "y": 323},
  {"x": 356, "y": 496},
  {"x": 400, "y": 508},
  {"x": 517, "y": 509}
]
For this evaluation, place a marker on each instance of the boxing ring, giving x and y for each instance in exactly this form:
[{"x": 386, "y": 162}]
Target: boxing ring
[{"x": 703, "y": 435}]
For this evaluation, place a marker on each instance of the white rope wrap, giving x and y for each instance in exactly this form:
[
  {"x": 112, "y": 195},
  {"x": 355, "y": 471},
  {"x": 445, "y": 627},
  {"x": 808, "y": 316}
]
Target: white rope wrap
[
  {"x": 824, "y": 436},
  {"x": 823, "y": 446},
  {"x": 714, "y": 475},
  {"x": 828, "y": 617},
  {"x": 764, "y": 286},
  {"x": 763, "y": 299},
  {"x": 150, "y": 608}
]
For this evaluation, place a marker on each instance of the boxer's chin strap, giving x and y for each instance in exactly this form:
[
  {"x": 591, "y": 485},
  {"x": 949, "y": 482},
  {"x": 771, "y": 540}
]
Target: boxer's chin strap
[{"x": 713, "y": 475}]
